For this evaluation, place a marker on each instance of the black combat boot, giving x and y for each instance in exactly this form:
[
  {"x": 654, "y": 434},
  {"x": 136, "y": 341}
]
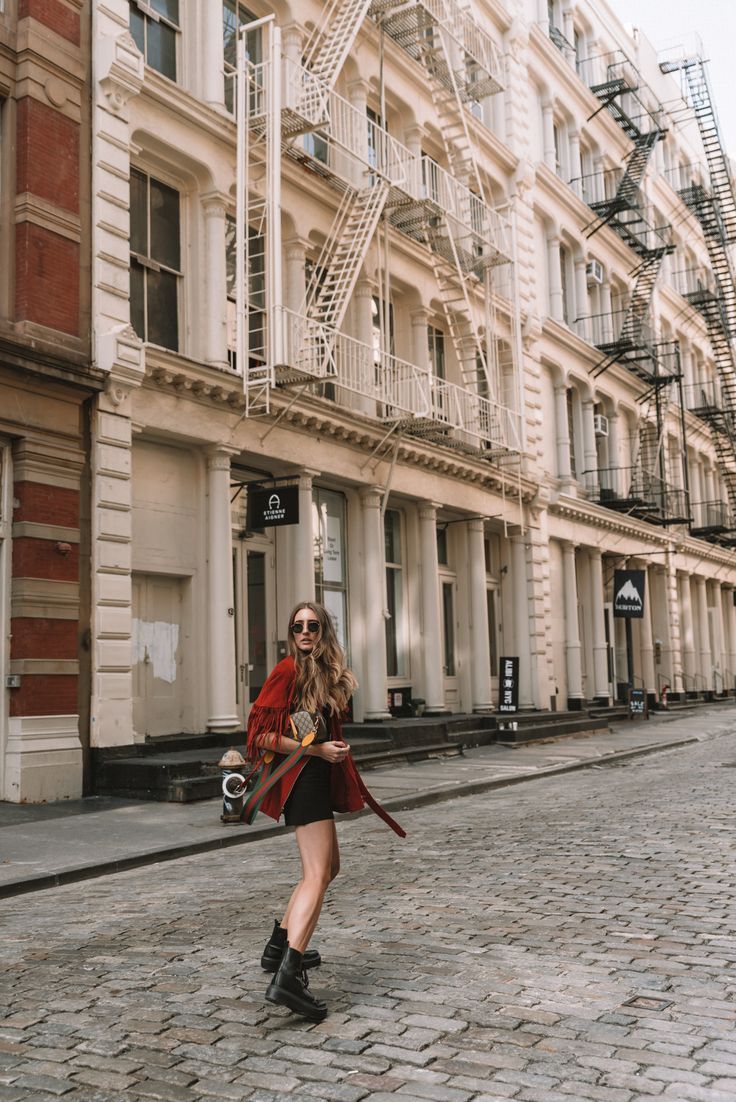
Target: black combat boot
[
  {"x": 289, "y": 988},
  {"x": 275, "y": 947}
]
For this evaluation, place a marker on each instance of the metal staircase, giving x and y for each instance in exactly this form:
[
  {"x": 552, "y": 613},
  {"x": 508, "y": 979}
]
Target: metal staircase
[
  {"x": 329, "y": 46},
  {"x": 463, "y": 66},
  {"x": 715, "y": 210},
  {"x": 344, "y": 251}
]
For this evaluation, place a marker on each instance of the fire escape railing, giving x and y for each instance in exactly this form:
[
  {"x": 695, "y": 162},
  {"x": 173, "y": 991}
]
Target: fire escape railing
[
  {"x": 400, "y": 392},
  {"x": 714, "y": 206}
]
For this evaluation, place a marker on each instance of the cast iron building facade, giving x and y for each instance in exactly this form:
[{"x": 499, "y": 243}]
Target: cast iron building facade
[{"x": 458, "y": 274}]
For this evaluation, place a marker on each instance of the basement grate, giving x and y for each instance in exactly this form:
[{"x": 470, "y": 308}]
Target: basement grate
[{"x": 648, "y": 1002}]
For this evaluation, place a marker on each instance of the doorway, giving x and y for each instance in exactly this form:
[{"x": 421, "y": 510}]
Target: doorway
[
  {"x": 255, "y": 606},
  {"x": 448, "y": 599},
  {"x": 158, "y": 684}
]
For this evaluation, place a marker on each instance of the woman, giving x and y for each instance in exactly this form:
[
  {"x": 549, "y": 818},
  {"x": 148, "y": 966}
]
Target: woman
[{"x": 314, "y": 678}]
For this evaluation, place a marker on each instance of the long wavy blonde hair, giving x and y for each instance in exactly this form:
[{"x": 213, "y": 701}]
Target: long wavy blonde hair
[{"x": 322, "y": 677}]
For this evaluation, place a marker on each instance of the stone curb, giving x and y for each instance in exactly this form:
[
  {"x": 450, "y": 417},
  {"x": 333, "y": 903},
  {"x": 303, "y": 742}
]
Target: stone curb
[{"x": 254, "y": 834}]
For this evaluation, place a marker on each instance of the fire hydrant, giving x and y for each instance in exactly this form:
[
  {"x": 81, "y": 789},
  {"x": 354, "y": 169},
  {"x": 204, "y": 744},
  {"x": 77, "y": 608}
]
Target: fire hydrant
[
  {"x": 663, "y": 696},
  {"x": 231, "y": 763}
]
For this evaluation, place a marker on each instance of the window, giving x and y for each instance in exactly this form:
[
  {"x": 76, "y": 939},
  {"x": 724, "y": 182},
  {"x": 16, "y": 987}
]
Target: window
[
  {"x": 234, "y": 14},
  {"x": 155, "y": 261},
  {"x": 431, "y": 173},
  {"x": 442, "y": 558},
  {"x": 564, "y": 284},
  {"x": 330, "y": 566},
  {"x": 256, "y": 261},
  {"x": 154, "y": 24},
  {"x": 571, "y": 430},
  {"x": 436, "y": 342},
  {"x": 395, "y": 625},
  {"x": 492, "y": 629}
]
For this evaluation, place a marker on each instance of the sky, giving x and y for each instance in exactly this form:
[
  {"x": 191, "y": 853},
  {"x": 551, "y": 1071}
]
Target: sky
[{"x": 665, "y": 22}]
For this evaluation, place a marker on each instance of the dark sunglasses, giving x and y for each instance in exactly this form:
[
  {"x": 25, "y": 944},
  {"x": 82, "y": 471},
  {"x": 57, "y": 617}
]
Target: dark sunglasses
[{"x": 311, "y": 626}]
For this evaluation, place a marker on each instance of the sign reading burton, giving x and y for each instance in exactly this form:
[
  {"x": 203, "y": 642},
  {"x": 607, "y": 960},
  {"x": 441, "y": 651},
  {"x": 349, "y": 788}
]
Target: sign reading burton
[{"x": 628, "y": 593}]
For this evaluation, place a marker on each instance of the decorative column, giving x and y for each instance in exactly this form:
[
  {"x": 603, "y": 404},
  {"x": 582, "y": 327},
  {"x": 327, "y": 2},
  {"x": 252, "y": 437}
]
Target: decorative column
[
  {"x": 590, "y": 452},
  {"x": 706, "y": 658},
  {"x": 295, "y": 251},
  {"x": 572, "y": 630},
  {"x": 214, "y": 206},
  {"x": 374, "y": 570},
  {"x": 600, "y": 647},
  {"x": 730, "y": 620},
  {"x": 576, "y": 168},
  {"x": 221, "y": 705},
  {"x": 562, "y": 433},
  {"x": 581, "y": 292},
  {"x": 419, "y": 345},
  {"x": 304, "y": 537},
  {"x": 212, "y": 53},
  {"x": 687, "y": 634},
  {"x": 480, "y": 655},
  {"x": 434, "y": 693},
  {"x": 607, "y": 311},
  {"x": 556, "y": 309},
  {"x": 646, "y": 643},
  {"x": 718, "y": 658},
  {"x": 521, "y": 618}
]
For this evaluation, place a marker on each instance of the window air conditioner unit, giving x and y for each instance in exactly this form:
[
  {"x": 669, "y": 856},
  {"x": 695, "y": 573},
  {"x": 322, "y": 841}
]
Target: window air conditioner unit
[
  {"x": 594, "y": 272},
  {"x": 600, "y": 424}
]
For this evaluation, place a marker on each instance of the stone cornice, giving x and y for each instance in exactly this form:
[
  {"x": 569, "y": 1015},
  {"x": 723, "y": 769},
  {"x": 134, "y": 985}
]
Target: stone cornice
[{"x": 188, "y": 379}]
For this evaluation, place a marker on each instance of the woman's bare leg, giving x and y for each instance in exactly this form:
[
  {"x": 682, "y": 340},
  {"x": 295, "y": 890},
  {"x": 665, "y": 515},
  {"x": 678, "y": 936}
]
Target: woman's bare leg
[
  {"x": 320, "y": 859},
  {"x": 334, "y": 870}
]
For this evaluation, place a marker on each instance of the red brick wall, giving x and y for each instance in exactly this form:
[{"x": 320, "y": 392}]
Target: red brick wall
[
  {"x": 45, "y": 695},
  {"x": 43, "y": 638},
  {"x": 46, "y": 504},
  {"x": 35, "y": 558},
  {"x": 47, "y": 154},
  {"x": 53, "y": 14},
  {"x": 46, "y": 278}
]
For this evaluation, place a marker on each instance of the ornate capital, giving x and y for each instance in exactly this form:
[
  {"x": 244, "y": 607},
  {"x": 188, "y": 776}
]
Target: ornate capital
[
  {"x": 215, "y": 204},
  {"x": 219, "y": 457},
  {"x": 119, "y": 69},
  {"x": 371, "y": 497},
  {"x": 120, "y": 353}
]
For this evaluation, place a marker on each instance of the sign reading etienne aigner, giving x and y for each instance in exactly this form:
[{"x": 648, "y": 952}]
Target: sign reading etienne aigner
[
  {"x": 268, "y": 508},
  {"x": 628, "y": 593}
]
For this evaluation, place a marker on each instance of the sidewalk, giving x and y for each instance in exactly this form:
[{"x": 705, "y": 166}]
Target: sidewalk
[{"x": 49, "y": 844}]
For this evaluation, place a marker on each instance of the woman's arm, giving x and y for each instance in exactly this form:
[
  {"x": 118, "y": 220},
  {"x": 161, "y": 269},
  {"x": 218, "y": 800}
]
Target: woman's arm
[{"x": 331, "y": 751}]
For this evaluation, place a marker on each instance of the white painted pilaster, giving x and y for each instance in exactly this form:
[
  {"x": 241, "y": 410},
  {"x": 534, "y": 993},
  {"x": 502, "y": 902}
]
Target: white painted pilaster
[
  {"x": 480, "y": 658},
  {"x": 432, "y": 621},
  {"x": 221, "y": 704}
]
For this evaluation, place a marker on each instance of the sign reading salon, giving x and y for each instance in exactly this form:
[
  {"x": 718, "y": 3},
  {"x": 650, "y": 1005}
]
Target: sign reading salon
[
  {"x": 271, "y": 507},
  {"x": 628, "y": 594}
]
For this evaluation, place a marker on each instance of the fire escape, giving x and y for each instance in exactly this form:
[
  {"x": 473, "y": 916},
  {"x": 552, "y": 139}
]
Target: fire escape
[
  {"x": 715, "y": 210},
  {"x": 288, "y": 109},
  {"x": 646, "y": 489}
]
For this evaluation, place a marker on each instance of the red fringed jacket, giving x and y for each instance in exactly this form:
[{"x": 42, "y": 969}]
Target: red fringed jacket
[{"x": 270, "y": 713}]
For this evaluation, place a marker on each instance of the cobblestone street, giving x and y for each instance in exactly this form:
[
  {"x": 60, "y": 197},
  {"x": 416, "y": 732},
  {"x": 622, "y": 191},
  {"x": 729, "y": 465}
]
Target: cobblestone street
[{"x": 490, "y": 955}]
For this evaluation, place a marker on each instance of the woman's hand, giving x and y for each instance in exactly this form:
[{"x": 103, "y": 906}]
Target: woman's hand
[{"x": 333, "y": 752}]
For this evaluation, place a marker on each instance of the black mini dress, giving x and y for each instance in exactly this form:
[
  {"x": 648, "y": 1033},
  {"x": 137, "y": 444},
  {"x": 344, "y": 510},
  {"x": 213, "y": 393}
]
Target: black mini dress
[{"x": 309, "y": 800}]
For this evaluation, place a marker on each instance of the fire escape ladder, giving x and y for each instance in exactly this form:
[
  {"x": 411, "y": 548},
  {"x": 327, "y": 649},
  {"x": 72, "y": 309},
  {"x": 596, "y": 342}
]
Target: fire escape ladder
[
  {"x": 628, "y": 194},
  {"x": 632, "y": 345},
  {"x": 344, "y": 253},
  {"x": 715, "y": 209},
  {"x": 329, "y": 46}
]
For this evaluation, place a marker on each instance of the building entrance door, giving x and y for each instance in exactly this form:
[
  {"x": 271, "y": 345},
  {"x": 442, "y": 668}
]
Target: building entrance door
[
  {"x": 610, "y": 651},
  {"x": 255, "y": 624},
  {"x": 158, "y": 685},
  {"x": 448, "y": 600}
]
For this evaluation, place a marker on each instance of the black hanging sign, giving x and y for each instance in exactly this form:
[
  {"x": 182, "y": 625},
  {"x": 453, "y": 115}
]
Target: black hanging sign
[
  {"x": 268, "y": 508},
  {"x": 628, "y": 593},
  {"x": 508, "y": 685}
]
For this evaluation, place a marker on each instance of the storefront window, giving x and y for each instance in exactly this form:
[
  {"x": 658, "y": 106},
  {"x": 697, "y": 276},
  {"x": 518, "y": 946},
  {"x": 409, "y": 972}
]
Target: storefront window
[
  {"x": 395, "y": 625},
  {"x": 330, "y": 561},
  {"x": 448, "y": 625},
  {"x": 234, "y": 14}
]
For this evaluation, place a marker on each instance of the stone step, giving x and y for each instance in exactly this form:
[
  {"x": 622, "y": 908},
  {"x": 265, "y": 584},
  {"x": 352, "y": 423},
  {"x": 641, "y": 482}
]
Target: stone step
[{"x": 543, "y": 731}]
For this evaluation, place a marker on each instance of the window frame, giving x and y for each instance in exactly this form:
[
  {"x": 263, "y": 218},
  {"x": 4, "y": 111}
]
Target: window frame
[
  {"x": 396, "y": 623},
  {"x": 150, "y": 15},
  {"x": 150, "y": 264}
]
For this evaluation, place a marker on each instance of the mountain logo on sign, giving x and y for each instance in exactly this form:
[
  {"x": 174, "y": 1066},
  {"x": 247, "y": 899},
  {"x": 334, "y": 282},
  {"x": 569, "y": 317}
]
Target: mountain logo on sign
[{"x": 628, "y": 593}]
